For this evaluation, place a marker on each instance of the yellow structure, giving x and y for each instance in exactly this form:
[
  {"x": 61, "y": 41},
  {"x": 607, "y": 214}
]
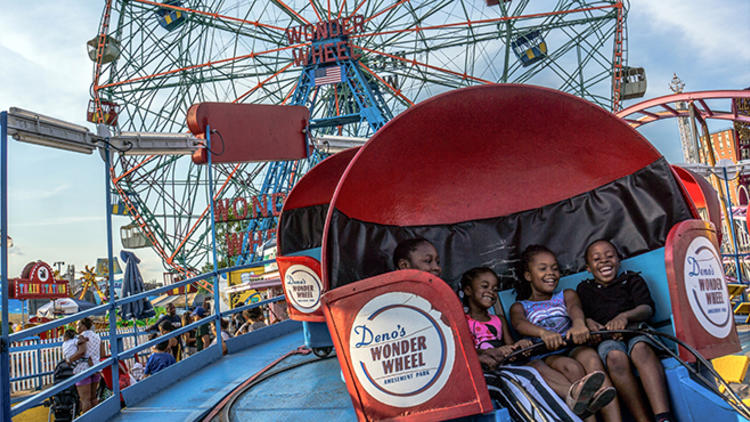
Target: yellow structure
[
  {"x": 35, "y": 414},
  {"x": 237, "y": 295},
  {"x": 89, "y": 282},
  {"x": 732, "y": 368}
]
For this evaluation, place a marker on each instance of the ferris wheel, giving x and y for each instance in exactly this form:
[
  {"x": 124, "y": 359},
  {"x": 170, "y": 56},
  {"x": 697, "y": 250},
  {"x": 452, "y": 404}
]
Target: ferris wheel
[{"x": 355, "y": 64}]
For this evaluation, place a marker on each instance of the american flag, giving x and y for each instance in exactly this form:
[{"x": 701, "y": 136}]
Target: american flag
[{"x": 327, "y": 75}]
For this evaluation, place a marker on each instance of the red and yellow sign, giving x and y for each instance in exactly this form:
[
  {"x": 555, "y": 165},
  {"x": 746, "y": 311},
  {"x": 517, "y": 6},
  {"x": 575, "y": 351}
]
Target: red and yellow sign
[
  {"x": 404, "y": 349},
  {"x": 37, "y": 281},
  {"x": 329, "y": 40}
]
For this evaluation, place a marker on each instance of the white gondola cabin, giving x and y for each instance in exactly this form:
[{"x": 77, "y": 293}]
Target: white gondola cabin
[
  {"x": 133, "y": 238},
  {"x": 110, "y": 52},
  {"x": 633, "y": 82}
]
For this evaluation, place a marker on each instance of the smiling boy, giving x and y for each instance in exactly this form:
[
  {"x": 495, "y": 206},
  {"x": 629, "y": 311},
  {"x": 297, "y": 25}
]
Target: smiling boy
[{"x": 613, "y": 301}]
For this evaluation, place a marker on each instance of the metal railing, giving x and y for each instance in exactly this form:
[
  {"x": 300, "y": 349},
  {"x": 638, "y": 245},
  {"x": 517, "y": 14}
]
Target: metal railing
[
  {"x": 124, "y": 353},
  {"x": 117, "y": 354},
  {"x": 33, "y": 361}
]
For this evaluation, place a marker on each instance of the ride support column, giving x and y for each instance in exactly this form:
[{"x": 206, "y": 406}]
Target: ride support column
[
  {"x": 217, "y": 296},
  {"x": 4, "y": 341},
  {"x": 735, "y": 253},
  {"x": 113, "y": 340}
]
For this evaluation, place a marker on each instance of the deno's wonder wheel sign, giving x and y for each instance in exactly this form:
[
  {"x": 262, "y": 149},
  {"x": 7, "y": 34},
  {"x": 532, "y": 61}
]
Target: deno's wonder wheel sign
[
  {"x": 401, "y": 351},
  {"x": 706, "y": 289},
  {"x": 303, "y": 288}
]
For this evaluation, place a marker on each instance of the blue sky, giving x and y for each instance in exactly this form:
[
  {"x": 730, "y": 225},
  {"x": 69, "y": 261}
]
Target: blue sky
[{"x": 57, "y": 198}]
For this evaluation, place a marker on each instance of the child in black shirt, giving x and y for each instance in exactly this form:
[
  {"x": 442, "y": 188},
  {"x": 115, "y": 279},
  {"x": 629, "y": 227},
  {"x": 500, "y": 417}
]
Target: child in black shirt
[{"x": 613, "y": 301}]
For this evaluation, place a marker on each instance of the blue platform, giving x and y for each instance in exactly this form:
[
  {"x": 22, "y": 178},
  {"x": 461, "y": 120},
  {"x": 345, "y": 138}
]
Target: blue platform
[
  {"x": 278, "y": 398},
  {"x": 190, "y": 389},
  {"x": 306, "y": 387},
  {"x": 295, "y": 388}
]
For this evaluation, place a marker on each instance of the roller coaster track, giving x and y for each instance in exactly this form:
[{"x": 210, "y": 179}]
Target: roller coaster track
[{"x": 663, "y": 107}]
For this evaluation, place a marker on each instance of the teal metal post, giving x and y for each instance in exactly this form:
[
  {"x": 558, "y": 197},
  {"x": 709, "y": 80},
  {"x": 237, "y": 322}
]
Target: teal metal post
[
  {"x": 217, "y": 301},
  {"x": 4, "y": 340},
  {"x": 113, "y": 343}
]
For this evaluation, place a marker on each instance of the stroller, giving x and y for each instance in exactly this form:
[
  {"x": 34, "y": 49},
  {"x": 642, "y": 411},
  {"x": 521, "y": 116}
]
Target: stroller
[{"x": 65, "y": 405}]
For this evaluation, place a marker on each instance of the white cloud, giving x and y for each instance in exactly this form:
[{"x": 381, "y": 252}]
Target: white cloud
[
  {"x": 37, "y": 194},
  {"x": 43, "y": 53},
  {"x": 15, "y": 251},
  {"x": 60, "y": 221},
  {"x": 715, "y": 30}
]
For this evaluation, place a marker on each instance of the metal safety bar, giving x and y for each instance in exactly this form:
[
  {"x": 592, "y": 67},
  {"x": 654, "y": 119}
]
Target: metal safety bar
[{"x": 38, "y": 398}]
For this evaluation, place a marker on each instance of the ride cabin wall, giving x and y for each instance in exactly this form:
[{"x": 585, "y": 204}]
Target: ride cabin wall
[
  {"x": 299, "y": 236},
  {"x": 480, "y": 197}
]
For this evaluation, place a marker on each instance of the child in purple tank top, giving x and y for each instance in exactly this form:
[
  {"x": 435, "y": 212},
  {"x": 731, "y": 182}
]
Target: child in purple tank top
[
  {"x": 556, "y": 319},
  {"x": 549, "y": 314}
]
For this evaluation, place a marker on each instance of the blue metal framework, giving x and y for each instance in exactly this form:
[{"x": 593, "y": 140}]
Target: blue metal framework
[
  {"x": 279, "y": 179},
  {"x": 113, "y": 346},
  {"x": 109, "y": 407},
  {"x": 364, "y": 107},
  {"x": 217, "y": 299},
  {"x": 5, "y": 340}
]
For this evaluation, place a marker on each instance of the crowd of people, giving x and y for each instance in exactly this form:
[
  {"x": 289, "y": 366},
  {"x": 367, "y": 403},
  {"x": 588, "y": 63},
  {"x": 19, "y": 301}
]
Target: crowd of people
[
  {"x": 592, "y": 374},
  {"x": 194, "y": 341},
  {"x": 83, "y": 348}
]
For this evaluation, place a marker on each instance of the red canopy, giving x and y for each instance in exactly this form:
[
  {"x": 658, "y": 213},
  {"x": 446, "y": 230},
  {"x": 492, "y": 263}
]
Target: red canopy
[
  {"x": 703, "y": 195},
  {"x": 316, "y": 187},
  {"x": 482, "y": 172},
  {"x": 307, "y": 203},
  {"x": 449, "y": 170},
  {"x": 300, "y": 231}
]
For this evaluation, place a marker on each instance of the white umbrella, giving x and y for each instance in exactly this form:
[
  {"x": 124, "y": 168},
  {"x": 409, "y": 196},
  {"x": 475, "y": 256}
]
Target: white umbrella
[{"x": 64, "y": 306}]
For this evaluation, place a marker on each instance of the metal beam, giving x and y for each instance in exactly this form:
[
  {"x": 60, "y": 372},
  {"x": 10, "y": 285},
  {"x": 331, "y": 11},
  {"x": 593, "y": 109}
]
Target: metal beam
[
  {"x": 701, "y": 96},
  {"x": 35, "y": 128},
  {"x": 331, "y": 144},
  {"x": 155, "y": 143}
]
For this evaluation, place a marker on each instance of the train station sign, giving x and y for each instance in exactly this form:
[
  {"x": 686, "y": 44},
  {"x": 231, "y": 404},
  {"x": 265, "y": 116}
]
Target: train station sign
[{"x": 37, "y": 281}]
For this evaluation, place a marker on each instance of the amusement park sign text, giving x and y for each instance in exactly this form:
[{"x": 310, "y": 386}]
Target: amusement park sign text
[
  {"x": 243, "y": 208},
  {"x": 337, "y": 30},
  {"x": 262, "y": 206}
]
